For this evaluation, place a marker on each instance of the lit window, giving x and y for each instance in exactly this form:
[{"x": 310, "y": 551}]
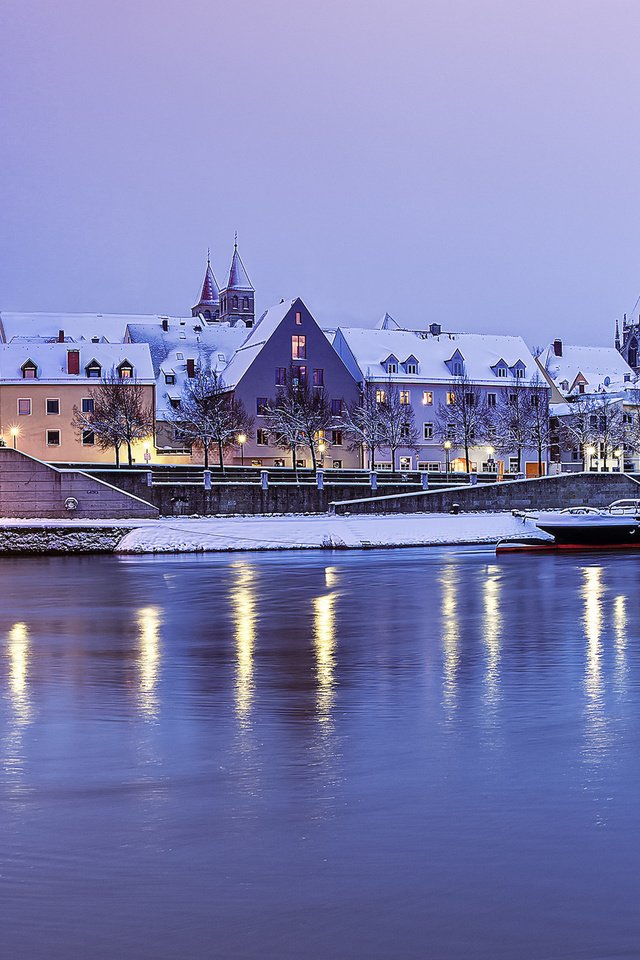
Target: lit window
[
  {"x": 53, "y": 438},
  {"x": 404, "y": 397},
  {"x": 451, "y": 398},
  {"x": 88, "y": 438},
  {"x": 427, "y": 431},
  {"x": 380, "y": 396},
  {"x": 53, "y": 407},
  {"x": 87, "y": 404},
  {"x": 299, "y": 347},
  {"x": 298, "y": 318},
  {"x": 318, "y": 377},
  {"x": 125, "y": 371},
  {"x": 427, "y": 397},
  {"x": 24, "y": 408}
]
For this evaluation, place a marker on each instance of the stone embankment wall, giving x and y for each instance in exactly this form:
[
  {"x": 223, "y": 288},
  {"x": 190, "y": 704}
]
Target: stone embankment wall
[
  {"x": 179, "y": 499},
  {"x": 544, "y": 493},
  {"x": 60, "y": 539},
  {"x": 30, "y": 488}
]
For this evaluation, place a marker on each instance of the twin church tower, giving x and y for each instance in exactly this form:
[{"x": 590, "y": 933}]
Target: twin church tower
[{"x": 234, "y": 302}]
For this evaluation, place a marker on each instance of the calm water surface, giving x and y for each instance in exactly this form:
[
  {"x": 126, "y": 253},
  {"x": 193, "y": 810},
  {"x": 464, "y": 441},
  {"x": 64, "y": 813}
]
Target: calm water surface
[{"x": 425, "y": 754}]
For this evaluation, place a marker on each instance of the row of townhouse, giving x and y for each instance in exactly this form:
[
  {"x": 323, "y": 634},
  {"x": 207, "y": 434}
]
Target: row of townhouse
[
  {"x": 51, "y": 362},
  {"x": 585, "y": 383}
]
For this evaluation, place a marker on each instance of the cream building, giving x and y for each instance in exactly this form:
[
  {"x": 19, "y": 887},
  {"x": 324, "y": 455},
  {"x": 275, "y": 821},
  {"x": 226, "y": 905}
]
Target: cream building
[{"x": 42, "y": 383}]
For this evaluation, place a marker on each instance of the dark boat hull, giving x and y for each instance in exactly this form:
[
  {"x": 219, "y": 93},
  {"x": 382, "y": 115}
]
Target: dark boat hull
[{"x": 594, "y": 534}]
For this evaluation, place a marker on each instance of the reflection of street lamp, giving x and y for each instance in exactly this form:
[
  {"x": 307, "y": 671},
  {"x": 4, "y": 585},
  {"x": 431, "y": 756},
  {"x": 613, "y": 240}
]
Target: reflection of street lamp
[
  {"x": 242, "y": 439},
  {"x": 14, "y": 433},
  {"x": 447, "y": 448}
]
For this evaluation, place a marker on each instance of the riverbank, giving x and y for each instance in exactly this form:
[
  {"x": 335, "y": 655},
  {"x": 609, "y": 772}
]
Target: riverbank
[{"x": 294, "y": 532}]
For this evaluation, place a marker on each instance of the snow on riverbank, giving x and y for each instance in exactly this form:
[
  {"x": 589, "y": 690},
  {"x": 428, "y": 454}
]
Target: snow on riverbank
[{"x": 184, "y": 535}]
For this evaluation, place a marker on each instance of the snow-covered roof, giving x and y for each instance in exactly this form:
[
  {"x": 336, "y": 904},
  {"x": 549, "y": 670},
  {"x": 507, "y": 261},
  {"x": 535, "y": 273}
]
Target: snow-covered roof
[
  {"x": 210, "y": 295},
  {"x": 258, "y": 336},
  {"x": 597, "y": 368},
  {"x": 51, "y": 360},
  {"x": 480, "y": 353},
  {"x": 238, "y": 278},
  {"x": 75, "y": 326},
  {"x": 210, "y": 345}
]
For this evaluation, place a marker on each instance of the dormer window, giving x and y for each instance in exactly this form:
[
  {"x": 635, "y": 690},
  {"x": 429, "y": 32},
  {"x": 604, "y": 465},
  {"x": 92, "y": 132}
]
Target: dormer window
[
  {"x": 458, "y": 368},
  {"x": 518, "y": 369},
  {"x": 125, "y": 370},
  {"x": 392, "y": 368},
  {"x": 411, "y": 365},
  {"x": 456, "y": 364},
  {"x": 94, "y": 370},
  {"x": 29, "y": 370},
  {"x": 170, "y": 378},
  {"x": 412, "y": 368},
  {"x": 390, "y": 365}
]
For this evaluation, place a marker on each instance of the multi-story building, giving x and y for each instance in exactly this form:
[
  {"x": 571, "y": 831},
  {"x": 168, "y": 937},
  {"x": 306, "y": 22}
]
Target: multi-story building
[
  {"x": 424, "y": 365},
  {"x": 42, "y": 385}
]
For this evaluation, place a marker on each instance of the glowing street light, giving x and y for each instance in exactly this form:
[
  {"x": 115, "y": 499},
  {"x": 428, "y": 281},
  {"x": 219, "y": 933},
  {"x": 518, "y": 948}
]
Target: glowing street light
[
  {"x": 447, "y": 453},
  {"x": 242, "y": 439},
  {"x": 321, "y": 448},
  {"x": 14, "y": 433}
]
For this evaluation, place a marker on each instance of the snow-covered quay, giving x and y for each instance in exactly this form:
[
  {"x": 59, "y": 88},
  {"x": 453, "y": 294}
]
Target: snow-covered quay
[{"x": 295, "y": 532}]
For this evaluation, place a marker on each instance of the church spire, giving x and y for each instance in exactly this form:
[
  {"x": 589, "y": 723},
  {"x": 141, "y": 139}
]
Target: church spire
[
  {"x": 617, "y": 340},
  {"x": 237, "y": 298},
  {"x": 209, "y": 303}
]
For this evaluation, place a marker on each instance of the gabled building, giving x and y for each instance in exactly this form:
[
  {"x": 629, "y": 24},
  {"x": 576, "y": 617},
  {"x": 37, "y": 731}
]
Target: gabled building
[
  {"x": 42, "y": 383},
  {"x": 423, "y": 365},
  {"x": 288, "y": 337}
]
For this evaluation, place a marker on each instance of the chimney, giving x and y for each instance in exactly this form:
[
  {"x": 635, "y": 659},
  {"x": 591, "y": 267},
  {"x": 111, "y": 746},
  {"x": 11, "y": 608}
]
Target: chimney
[
  {"x": 60, "y": 336},
  {"x": 557, "y": 347},
  {"x": 73, "y": 361},
  {"x": 191, "y": 368},
  {"x": 165, "y": 325}
]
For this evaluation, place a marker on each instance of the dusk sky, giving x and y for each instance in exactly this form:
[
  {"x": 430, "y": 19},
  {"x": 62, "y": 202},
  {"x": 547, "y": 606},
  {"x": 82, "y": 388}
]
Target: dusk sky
[{"x": 473, "y": 162}]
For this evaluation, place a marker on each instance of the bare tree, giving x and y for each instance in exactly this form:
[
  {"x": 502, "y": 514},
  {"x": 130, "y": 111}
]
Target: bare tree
[
  {"x": 514, "y": 417},
  {"x": 299, "y": 416},
  {"x": 607, "y": 422},
  {"x": 539, "y": 424},
  {"x": 209, "y": 415},
  {"x": 362, "y": 424},
  {"x": 119, "y": 416},
  {"x": 397, "y": 422},
  {"x": 466, "y": 417},
  {"x": 575, "y": 429}
]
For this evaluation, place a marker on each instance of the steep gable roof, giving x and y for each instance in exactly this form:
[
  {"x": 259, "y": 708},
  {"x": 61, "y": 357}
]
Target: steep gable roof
[{"x": 238, "y": 278}]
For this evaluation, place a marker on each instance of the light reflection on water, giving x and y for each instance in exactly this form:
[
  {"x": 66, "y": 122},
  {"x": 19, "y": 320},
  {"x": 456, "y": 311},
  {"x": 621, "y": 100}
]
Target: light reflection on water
[{"x": 327, "y": 736}]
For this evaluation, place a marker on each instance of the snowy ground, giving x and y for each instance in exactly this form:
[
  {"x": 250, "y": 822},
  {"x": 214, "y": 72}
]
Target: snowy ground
[
  {"x": 300, "y": 532},
  {"x": 190, "y": 535}
]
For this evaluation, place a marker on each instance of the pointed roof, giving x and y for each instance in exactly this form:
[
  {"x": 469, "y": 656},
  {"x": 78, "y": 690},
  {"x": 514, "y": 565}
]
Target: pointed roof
[
  {"x": 210, "y": 295},
  {"x": 238, "y": 278}
]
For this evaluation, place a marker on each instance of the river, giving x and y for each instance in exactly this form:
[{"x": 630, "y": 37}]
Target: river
[{"x": 424, "y": 754}]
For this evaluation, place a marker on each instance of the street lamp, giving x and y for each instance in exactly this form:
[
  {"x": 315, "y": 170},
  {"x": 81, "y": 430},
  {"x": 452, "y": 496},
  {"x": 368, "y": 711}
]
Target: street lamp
[
  {"x": 321, "y": 449},
  {"x": 14, "y": 433},
  {"x": 447, "y": 449},
  {"x": 590, "y": 451},
  {"x": 618, "y": 455},
  {"x": 242, "y": 439},
  {"x": 490, "y": 460}
]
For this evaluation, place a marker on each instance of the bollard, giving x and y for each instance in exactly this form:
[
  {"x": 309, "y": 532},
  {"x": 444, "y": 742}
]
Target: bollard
[
  {"x": 149, "y": 478},
  {"x": 424, "y": 477},
  {"x": 320, "y": 479},
  {"x": 374, "y": 480},
  {"x": 264, "y": 479},
  {"x": 207, "y": 479},
  {"x": 455, "y": 509}
]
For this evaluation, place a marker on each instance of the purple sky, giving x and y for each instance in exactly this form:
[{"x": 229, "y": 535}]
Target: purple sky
[{"x": 475, "y": 162}]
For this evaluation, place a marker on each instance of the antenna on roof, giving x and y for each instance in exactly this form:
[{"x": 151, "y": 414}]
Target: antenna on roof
[
  {"x": 235, "y": 240},
  {"x": 208, "y": 256}
]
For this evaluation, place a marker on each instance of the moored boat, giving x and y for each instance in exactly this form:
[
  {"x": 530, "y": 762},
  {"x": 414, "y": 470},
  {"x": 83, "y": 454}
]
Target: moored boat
[{"x": 616, "y": 527}]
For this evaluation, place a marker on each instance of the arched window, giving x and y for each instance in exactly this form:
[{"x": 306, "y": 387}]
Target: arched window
[
  {"x": 632, "y": 356},
  {"x": 235, "y": 303},
  {"x": 245, "y": 303}
]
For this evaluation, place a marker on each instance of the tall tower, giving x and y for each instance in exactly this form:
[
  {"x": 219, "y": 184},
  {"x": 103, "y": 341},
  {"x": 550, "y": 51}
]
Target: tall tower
[
  {"x": 237, "y": 299},
  {"x": 208, "y": 306}
]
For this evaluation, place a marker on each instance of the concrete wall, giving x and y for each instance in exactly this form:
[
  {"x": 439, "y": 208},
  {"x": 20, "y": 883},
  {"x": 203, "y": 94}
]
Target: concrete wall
[
  {"x": 546, "y": 493},
  {"x": 30, "y": 488},
  {"x": 177, "y": 499}
]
